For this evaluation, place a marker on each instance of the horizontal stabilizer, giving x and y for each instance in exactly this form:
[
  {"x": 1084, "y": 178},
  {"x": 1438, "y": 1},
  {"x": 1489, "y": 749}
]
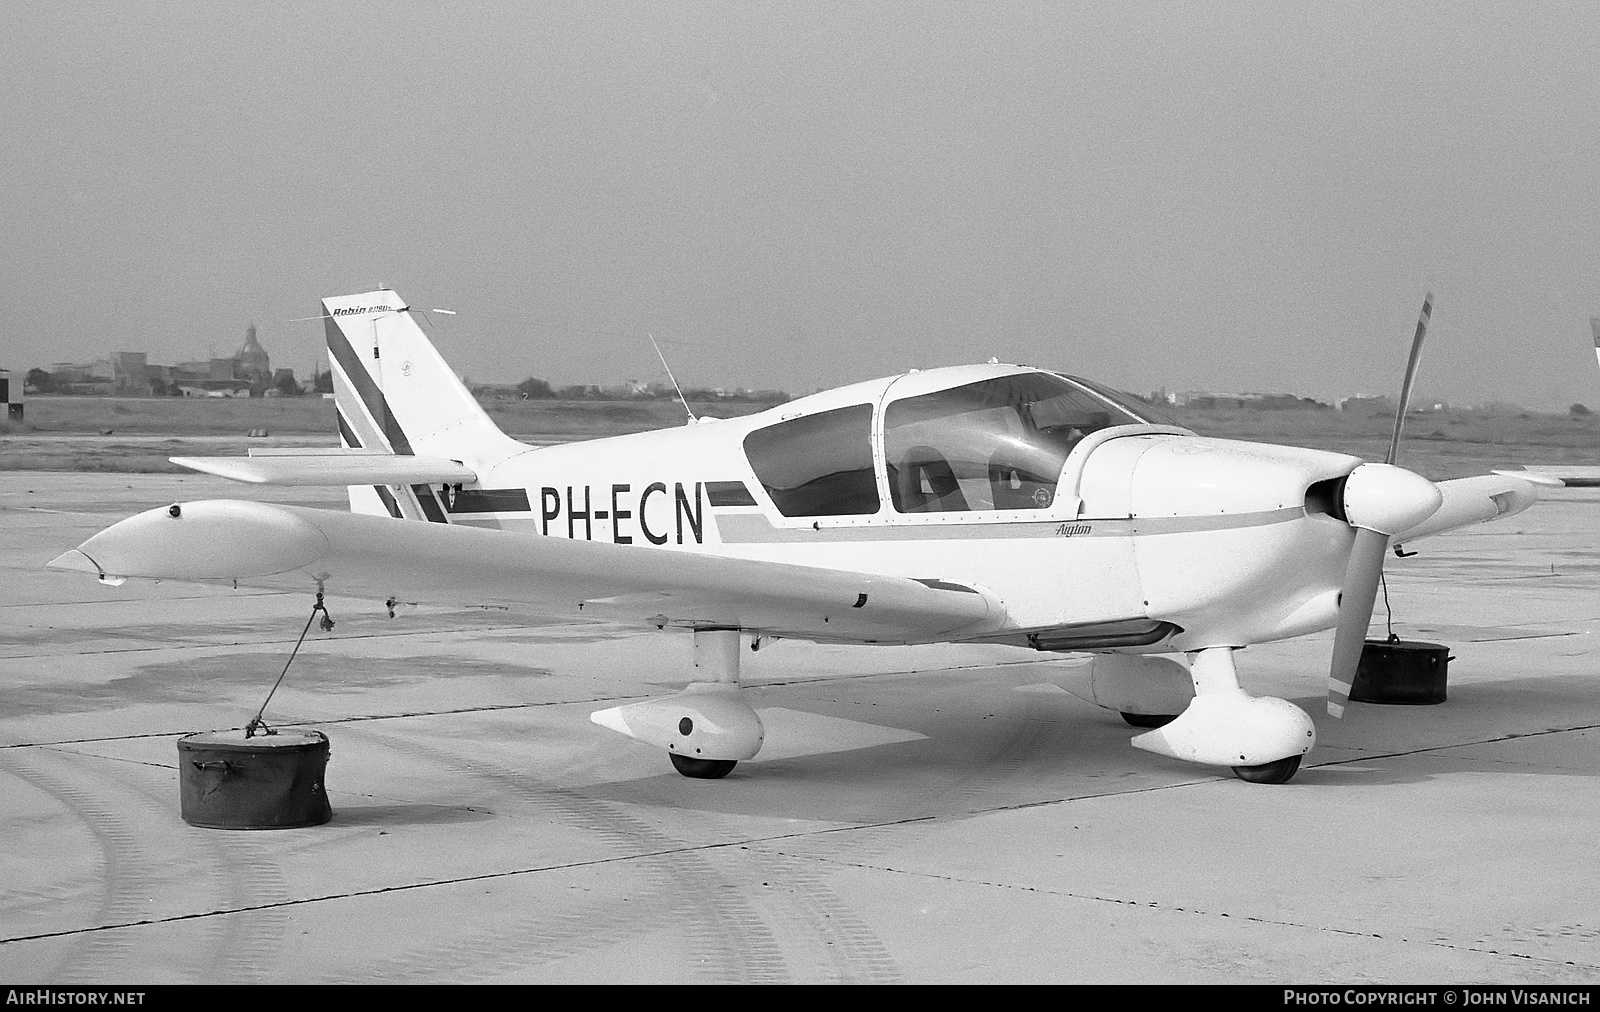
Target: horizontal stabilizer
[
  {"x": 358, "y": 467},
  {"x": 358, "y": 555}
]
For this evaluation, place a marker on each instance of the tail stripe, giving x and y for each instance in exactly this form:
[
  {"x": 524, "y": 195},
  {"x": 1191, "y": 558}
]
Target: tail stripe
[
  {"x": 388, "y": 501},
  {"x": 346, "y": 433},
  {"x": 411, "y": 403},
  {"x": 430, "y": 505},
  {"x": 367, "y": 390}
]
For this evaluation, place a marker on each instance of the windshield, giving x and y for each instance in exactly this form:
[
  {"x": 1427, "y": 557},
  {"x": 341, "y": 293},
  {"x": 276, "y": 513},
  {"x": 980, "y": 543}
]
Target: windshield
[
  {"x": 1151, "y": 412},
  {"x": 996, "y": 444}
]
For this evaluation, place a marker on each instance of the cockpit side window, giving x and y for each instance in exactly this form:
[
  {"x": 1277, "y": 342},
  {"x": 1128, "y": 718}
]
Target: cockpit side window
[
  {"x": 817, "y": 465},
  {"x": 997, "y": 444}
]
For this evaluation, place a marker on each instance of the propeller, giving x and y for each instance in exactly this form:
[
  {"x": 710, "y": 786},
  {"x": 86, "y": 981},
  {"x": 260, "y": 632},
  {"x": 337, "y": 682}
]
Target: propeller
[{"x": 1379, "y": 501}]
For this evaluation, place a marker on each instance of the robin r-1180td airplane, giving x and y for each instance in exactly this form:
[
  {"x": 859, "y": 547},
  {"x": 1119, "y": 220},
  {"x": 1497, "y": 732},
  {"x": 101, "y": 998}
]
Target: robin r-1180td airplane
[{"x": 980, "y": 503}]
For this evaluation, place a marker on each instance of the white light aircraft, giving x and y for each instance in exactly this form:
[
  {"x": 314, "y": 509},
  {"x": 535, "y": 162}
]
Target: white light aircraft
[{"x": 973, "y": 504}]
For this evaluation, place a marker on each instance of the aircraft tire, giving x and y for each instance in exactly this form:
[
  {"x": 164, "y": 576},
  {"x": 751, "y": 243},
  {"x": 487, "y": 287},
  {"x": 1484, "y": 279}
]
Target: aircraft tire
[
  {"x": 702, "y": 769},
  {"x": 1277, "y": 772},
  {"x": 1148, "y": 719}
]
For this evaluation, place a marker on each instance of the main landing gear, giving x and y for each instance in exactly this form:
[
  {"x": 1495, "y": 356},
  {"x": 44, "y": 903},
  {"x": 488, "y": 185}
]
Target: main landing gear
[
  {"x": 702, "y": 769},
  {"x": 708, "y": 727}
]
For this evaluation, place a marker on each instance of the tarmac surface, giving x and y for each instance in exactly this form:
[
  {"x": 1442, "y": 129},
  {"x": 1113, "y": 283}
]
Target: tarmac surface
[{"x": 919, "y": 815}]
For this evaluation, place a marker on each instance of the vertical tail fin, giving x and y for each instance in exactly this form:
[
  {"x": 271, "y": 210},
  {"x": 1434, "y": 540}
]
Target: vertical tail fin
[{"x": 396, "y": 394}]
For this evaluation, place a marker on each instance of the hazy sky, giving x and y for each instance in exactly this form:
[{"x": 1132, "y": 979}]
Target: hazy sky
[{"x": 1198, "y": 195}]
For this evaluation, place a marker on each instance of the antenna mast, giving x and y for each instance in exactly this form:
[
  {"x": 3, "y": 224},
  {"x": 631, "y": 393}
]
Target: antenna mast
[{"x": 681, "y": 399}]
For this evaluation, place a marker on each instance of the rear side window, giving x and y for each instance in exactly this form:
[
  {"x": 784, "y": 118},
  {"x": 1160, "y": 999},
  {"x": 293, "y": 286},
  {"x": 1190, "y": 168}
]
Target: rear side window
[{"x": 817, "y": 465}]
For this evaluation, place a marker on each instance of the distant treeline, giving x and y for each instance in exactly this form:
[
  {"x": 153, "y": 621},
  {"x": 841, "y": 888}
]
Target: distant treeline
[{"x": 535, "y": 389}]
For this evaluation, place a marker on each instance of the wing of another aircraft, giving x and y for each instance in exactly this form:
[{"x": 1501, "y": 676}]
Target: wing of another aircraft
[
  {"x": 1476, "y": 500},
  {"x": 1567, "y": 475},
  {"x": 358, "y": 555}
]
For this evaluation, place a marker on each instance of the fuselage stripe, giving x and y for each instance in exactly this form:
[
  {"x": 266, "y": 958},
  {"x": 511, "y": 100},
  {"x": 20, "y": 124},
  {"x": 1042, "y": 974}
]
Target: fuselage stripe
[
  {"x": 491, "y": 500},
  {"x": 745, "y": 528},
  {"x": 729, "y": 493}
]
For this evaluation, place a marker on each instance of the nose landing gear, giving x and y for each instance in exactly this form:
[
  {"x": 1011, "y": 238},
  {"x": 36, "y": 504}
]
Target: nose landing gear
[{"x": 1261, "y": 738}]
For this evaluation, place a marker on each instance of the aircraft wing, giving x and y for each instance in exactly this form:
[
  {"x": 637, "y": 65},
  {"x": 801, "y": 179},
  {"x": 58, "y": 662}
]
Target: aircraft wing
[
  {"x": 357, "y": 467},
  {"x": 352, "y": 554}
]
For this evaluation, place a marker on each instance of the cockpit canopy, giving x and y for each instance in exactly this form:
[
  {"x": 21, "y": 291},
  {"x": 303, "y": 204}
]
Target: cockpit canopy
[{"x": 996, "y": 444}]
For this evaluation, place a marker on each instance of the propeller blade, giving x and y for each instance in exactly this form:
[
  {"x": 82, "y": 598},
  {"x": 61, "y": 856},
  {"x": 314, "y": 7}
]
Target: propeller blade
[
  {"x": 1411, "y": 377},
  {"x": 1356, "y": 600}
]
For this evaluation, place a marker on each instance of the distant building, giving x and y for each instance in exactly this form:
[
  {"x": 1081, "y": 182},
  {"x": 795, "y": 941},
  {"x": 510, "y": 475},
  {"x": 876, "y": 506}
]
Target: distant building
[
  {"x": 1366, "y": 405},
  {"x": 130, "y": 373},
  {"x": 247, "y": 372},
  {"x": 283, "y": 383},
  {"x": 86, "y": 378},
  {"x": 1205, "y": 399},
  {"x": 252, "y": 360},
  {"x": 1289, "y": 402}
]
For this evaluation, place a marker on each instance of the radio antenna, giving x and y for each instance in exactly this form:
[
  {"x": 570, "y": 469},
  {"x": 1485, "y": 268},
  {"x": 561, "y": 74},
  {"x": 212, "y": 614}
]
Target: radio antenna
[{"x": 681, "y": 399}]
